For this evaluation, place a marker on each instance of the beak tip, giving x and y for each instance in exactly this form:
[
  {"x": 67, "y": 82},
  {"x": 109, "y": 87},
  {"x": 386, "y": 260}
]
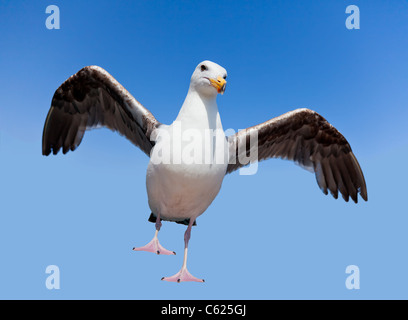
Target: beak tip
[{"x": 219, "y": 84}]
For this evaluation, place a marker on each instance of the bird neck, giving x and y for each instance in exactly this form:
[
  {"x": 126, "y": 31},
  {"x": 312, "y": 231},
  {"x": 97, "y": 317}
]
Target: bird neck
[{"x": 199, "y": 111}]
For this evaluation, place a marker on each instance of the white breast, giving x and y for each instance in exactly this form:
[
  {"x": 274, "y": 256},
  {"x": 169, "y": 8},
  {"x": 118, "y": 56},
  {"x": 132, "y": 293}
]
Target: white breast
[
  {"x": 185, "y": 186},
  {"x": 187, "y": 165}
]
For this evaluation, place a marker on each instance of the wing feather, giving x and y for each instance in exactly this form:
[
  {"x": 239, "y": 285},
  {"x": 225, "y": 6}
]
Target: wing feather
[
  {"x": 93, "y": 98},
  {"x": 306, "y": 138}
]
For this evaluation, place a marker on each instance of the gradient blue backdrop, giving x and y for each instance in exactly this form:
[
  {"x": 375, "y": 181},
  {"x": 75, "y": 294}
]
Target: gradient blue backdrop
[{"x": 273, "y": 235}]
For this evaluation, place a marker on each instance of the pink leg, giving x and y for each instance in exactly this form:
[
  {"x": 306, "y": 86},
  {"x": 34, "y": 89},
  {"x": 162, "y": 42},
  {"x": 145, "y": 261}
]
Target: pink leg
[
  {"x": 183, "y": 274},
  {"x": 154, "y": 245}
]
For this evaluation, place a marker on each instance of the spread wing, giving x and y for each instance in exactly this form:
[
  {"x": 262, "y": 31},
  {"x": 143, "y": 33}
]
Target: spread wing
[
  {"x": 93, "y": 98},
  {"x": 307, "y": 138}
]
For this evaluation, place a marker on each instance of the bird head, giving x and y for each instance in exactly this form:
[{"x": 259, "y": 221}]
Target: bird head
[{"x": 209, "y": 79}]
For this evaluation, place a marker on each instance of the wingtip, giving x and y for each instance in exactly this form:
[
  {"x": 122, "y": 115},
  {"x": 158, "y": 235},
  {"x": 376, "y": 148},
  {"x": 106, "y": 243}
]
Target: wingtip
[
  {"x": 335, "y": 194},
  {"x": 46, "y": 152},
  {"x": 346, "y": 197},
  {"x": 362, "y": 195},
  {"x": 363, "y": 192}
]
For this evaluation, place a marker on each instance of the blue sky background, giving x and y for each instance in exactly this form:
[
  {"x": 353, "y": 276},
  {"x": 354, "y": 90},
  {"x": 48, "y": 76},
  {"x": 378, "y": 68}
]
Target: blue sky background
[{"x": 273, "y": 235}]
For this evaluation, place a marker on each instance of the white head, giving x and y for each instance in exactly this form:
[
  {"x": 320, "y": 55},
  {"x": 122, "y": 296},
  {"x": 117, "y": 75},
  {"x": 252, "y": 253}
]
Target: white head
[{"x": 208, "y": 79}]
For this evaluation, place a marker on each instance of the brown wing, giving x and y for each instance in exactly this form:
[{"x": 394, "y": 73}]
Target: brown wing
[
  {"x": 91, "y": 98},
  {"x": 307, "y": 138}
]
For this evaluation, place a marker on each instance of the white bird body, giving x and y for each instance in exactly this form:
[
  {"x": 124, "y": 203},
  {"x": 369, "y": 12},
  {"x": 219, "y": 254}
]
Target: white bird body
[{"x": 180, "y": 185}]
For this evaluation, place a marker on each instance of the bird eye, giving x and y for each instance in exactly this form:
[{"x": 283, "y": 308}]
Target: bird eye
[
  {"x": 203, "y": 67},
  {"x": 225, "y": 77}
]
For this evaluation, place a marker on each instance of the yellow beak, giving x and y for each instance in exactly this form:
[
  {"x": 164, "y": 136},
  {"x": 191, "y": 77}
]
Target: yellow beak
[{"x": 219, "y": 84}]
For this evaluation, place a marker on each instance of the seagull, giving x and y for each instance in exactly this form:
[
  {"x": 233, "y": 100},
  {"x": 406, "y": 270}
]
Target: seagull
[{"x": 189, "y": 158}]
